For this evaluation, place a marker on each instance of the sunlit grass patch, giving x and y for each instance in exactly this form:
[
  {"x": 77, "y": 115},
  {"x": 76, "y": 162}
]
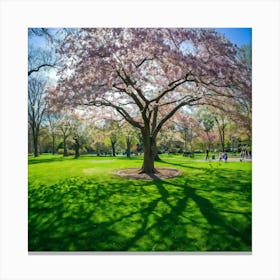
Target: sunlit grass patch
[{"x": 207, "y": 208}]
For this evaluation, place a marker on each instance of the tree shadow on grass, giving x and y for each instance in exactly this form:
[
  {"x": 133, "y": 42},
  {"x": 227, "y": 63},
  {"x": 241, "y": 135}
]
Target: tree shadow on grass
[
  {"x": 45, "y": 160},
  {"x": 226, "y": 180},
  {"x": 217, "y": 224},
  {"x": 126, "y": 215}
]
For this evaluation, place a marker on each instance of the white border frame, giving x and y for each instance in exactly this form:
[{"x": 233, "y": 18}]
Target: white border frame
[{"x": 17, "y": 16}]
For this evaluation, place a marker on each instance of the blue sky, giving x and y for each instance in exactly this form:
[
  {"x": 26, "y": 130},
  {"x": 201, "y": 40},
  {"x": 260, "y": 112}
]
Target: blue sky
[{"x": 238, "y": 36}]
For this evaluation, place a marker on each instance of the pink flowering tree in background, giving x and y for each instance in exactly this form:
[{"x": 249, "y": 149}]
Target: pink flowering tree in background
[{"x": 148, "y": 74}]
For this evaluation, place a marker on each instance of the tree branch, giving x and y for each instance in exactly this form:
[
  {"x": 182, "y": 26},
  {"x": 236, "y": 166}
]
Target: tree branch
[
  {"x": 39, "y": 67},
  {"x": 128, "y": 82},
  {"x": 145, "y": 59},
  {"x": 172, "y": 112},
  {"x": 172, "y": 102},
  {"x": 155, "y": 114},
  {"x": 173, "y": 85},
  {"x": 121, "y": 110}
]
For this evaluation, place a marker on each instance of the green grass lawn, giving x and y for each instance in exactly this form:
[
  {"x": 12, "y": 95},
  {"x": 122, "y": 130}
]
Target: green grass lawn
[{"x": 81, "y": 205}]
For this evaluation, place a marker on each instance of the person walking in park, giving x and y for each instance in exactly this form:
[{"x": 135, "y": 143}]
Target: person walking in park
[
  {"x": 207, "y": 155},
  {"x": 225, "y": 157}
]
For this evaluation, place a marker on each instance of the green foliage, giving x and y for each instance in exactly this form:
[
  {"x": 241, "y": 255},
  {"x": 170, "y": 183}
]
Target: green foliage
[
  {"x": 80, "y": 205},
  {"x": 69, "y": 152},
  {"x": 207, "y": 121}
]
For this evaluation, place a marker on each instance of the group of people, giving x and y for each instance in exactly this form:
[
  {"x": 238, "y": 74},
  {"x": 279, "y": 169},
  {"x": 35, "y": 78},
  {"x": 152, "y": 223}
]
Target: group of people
[
  {"x": 244, "y": 154},
  {"x": 222, "y": 156}
]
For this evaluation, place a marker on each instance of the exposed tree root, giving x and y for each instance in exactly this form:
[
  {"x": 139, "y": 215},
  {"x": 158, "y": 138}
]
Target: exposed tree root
[{"x": 149, "y": 172}]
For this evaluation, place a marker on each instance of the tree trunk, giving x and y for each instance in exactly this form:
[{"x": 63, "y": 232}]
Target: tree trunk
[
  {"x": 65, "y": 153},
  {"x": 35, "y": 135},
  {"x": 77, "y": 145},
  {"x": 149, "y": 145},
  {"x": 77, "y": 150},
  {"x": 53, "y": 144},
  {"x": 221, "y": 129},
  {"x": 35, "y": 143},
  {"x": 113, "y": 144},
  {"x": 128, "y": 147},
  {"x": 223, "y": 142},
  {"x": 208, "y": 141},
  {"x": 222, "y": 138}
]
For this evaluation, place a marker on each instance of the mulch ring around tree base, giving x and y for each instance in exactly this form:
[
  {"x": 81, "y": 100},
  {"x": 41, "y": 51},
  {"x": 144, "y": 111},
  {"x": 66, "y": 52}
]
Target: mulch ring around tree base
[{"x": 163, "y": 173}]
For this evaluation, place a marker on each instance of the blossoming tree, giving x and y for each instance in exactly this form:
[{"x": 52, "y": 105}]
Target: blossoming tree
[{"x": 148, "y": 74}]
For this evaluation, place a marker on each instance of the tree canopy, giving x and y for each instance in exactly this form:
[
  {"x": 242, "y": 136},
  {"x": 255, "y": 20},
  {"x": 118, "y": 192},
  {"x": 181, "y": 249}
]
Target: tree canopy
[{"x": 147, "y": 75}]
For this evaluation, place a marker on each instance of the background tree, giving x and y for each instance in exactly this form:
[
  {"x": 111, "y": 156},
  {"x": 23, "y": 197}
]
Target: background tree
[
  {"x": 81, "y": 135},
  {"x": 139, "y": 145},
  {"x": 207, "y": 121},
  {"x": 130, "y": 135},
  {"x": 36, "y": 108},
  {"x": 113, "y": 140},
  {"x": 65, "y": 126},
  {"x": 44, "y": 58},
  {"x": 188, "y": 126},
  {"x": 190, "y": 133},
  {"x": 221, "y": 122},
  {"x": 39, "y": 59},
  {"x": 99, "y": 140},
  {"x": 147, "y": 75},
  {"x": 166, "y": 137},
  {"x": 170, "y": 140},
  {"x": 113, "y": 129},
  {"x": 52, "y": 120}
]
